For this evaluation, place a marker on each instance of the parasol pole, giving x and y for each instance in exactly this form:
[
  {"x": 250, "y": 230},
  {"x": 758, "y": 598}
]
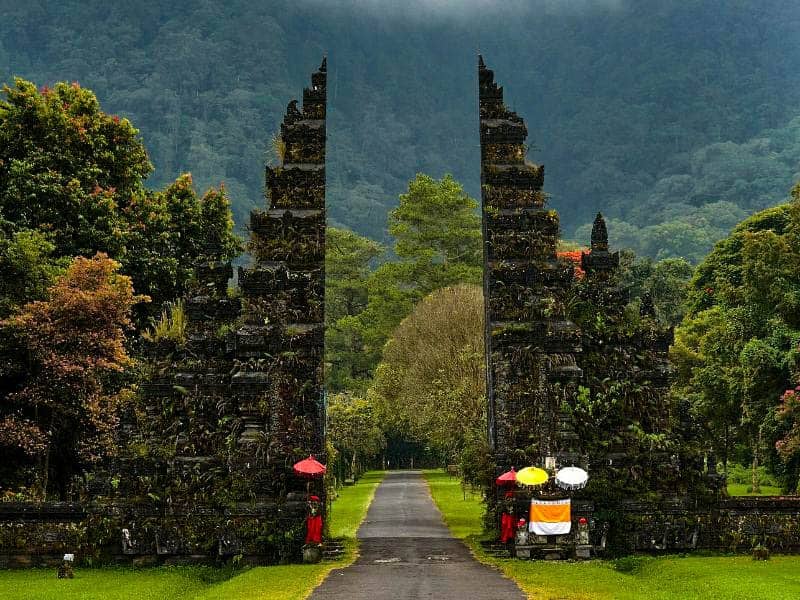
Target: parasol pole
[{"x": 308, "y": 485}]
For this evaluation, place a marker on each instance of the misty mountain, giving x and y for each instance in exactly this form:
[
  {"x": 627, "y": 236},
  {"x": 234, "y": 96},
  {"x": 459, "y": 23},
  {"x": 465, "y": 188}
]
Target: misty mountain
[{"x": 678, "y": 115}]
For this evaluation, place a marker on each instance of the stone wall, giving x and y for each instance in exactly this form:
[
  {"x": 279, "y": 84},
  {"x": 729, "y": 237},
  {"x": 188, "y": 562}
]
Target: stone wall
[
  {"x": 38, "y": 535},
  {"x": 725, "y": 525},
  {"x": 121, "y": 532},
  {"x": 729, "y": 525}
]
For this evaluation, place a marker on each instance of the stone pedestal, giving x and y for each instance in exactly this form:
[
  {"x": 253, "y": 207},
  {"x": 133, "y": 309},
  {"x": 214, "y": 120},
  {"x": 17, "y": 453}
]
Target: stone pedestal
[{"x": 312, "y": 554}]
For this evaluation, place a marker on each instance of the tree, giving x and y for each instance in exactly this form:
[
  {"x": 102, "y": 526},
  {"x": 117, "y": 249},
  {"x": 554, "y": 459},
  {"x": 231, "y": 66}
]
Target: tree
[
  {"x": 168, "y": 232},
  {"x": 736, "y": 349},
  {"x": 354, "y": 431},
  {"x": 348, "y": 262},
  {"x": 72, "y": 183},
  {"x": 438, "y": 243},
  {"x": 348, "y": 258},
  {"x": 762, "y": 372},
  {"x": 667, "y": 282},
  {"x": 75, "y": 175},
  {"x": 430, "y": 384},
  {"x": 27, "y": 269},
  {"x": 66, "y": 167},
  {"x": 788, "y": 417},
  {"x": 707, "y": 374},
  {"x": 60, "y": 409},
  {"x": 437, "y": 234}
]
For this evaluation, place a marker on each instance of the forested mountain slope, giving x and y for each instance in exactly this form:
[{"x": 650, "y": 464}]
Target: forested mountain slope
[{"x": 674, "y": 118}]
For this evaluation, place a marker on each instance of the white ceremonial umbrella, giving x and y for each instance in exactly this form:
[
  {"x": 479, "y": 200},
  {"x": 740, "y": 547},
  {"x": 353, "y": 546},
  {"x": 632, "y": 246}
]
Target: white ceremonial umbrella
[{"x": 571, "y": 478}]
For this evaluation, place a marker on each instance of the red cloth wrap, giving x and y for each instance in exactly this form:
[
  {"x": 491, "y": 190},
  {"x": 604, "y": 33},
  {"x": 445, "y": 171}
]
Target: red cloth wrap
[
  {"x": 507, "y": 528},
  {"x": 314, "y": 529}
]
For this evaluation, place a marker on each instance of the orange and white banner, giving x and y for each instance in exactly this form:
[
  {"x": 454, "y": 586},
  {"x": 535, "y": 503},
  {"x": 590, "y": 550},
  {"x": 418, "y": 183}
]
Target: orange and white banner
[{"x": 550, "y": 517}]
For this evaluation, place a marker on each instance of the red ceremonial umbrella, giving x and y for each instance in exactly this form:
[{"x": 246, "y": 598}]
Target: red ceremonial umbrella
[
  {"x": 507, "y": 478},
  {"x": 309, "y": 467}
]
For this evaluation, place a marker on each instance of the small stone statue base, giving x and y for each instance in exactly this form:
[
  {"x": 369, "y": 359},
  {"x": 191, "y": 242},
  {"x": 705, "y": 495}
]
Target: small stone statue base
[
  {"x": 583, "y": 551},
  {"x": 65, "y": 570},
  {"x": 312, "y": 553}
]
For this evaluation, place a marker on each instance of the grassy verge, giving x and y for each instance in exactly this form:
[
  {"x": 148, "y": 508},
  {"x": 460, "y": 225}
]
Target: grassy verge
[
  {"x": 350, "y": 508},
  {"x": 290, "y": 582},
  {"x": 662, "y": 578},
  {"x": 740, "y": 489},
  {"x": 461, "y": 509}
]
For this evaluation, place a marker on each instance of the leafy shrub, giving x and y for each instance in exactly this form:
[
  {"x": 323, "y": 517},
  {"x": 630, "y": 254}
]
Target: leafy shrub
[
  {"x": 744, "y": 474},
  {"x": 629, "y": 564},
  {"x": 171, "y": 326}
]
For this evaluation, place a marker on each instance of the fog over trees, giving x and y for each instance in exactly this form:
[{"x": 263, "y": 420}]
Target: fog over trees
[{"x": 676, "y": 119}]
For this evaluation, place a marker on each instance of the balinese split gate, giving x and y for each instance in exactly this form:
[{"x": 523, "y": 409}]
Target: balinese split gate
[{"x": 577, "y": 376}]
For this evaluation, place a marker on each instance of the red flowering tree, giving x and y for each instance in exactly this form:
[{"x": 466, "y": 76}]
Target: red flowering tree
[
  {"x": 573, "y": 256},
  {"x": 69, "y": 353}
]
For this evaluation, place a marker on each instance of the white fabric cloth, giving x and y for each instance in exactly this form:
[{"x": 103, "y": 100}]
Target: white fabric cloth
[
  {"x": 560, "y": 528},
  {"x": 550, "y": 517}
]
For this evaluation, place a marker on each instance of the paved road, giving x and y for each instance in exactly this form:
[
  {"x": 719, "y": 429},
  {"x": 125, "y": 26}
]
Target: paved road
[{"x": 408, "y": 553}]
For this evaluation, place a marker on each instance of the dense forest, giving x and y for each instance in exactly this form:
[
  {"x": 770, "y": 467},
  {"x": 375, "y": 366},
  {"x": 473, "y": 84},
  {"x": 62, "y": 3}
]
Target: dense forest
[{"x": 677, "y": 119}]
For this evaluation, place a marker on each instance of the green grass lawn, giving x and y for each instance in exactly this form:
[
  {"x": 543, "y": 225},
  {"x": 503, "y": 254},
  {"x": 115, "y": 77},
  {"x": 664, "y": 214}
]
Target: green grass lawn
[
  {"x": 740, "y": 489},
  {"x": 290, "y": 582},
  {"x": 461, "y": 508},
  {"x": 350, "y": 508},
  {"x": 661, "y": 578}
]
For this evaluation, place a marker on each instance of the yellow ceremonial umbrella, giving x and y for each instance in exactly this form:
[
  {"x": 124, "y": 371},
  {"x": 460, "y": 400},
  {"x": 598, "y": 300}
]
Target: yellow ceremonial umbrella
[{"x": 532, "y": 476}]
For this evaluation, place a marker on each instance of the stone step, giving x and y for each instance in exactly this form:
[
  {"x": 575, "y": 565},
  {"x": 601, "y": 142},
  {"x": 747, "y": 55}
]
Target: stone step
[
  {"x": 496, "y": 549},
  {"x": 332, "y": 549}
]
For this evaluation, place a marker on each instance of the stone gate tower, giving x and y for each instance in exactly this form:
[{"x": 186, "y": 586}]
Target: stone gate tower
[
  {"x": 207, "y": 466},
  {"x": 284, "y": 290},
  {"x": 530, "y": 344}
]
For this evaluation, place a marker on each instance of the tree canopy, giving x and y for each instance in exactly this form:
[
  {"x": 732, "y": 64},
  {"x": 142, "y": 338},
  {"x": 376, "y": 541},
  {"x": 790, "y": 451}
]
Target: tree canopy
[
  {"x": 82, "y": 244},
  {"x": 354, "y": 431},
  {"x": 431, "y": 382},
  {"x": 63, "y": 364},
  {"x": 437, "y": 235},
  {"x": 66, "y": 167},
  {"x": 72, "y": 184},
  {"x": 348, "y": 265},
  {"x": 737, "y": 349}
]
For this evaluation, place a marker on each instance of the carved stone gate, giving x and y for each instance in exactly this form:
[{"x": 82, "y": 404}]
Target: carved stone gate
[{"x": 205, "y": 473}]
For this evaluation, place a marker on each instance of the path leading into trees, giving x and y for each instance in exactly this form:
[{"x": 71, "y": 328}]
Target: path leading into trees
[{"x": 408, "y": 553}]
